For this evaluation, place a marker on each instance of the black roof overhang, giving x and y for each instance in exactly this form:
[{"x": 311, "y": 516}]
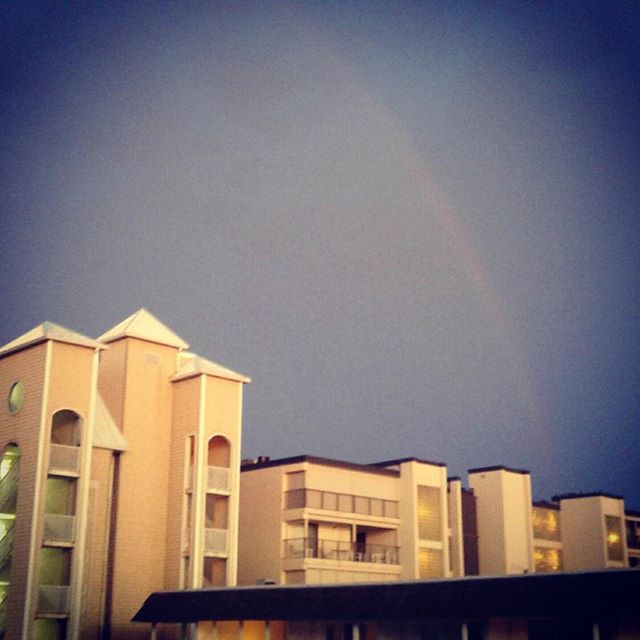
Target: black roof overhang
[{"x": 592, "y": 595}]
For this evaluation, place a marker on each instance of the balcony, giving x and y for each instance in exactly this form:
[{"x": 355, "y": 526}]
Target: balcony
[
  {"x": 64, "y": 459},
  {"x": 343, "y": 502},
  {"x": 216, "y": 541},
  {"x": 53, "y": 598},
  {"x": 218, "y": 479},
  {"x": 345, "y": 551},
  {"x": 59, "y": 528}
]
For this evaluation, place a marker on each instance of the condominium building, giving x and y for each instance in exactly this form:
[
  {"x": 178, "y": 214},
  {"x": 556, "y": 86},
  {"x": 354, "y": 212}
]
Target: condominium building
[
  {"x": 119, "y": 475},
  {"x": 309, "y": 520},
  {"x": 312, "y": 520}
]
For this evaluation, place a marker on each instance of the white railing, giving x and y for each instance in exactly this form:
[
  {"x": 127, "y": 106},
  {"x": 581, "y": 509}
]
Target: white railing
[
  {"x": 215, "y": 540},
  {"x": 53, "y": 598},
  {"x": 218, "y": 479},
  {"x": 59, "y": 528},
  {"x": 64, "y": 458}
]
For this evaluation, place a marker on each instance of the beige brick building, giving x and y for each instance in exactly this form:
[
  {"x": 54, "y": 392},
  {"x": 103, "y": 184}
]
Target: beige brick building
[
  {"x": 119, "y": 476},
  {"x": 309, "y": 520}
]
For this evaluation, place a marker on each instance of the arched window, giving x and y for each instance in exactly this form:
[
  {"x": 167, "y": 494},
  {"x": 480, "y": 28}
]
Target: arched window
[
  {"x": 218, "y": 463},
  {"x": 219, "y": 452},
  {"x": 66, "y": 429}
]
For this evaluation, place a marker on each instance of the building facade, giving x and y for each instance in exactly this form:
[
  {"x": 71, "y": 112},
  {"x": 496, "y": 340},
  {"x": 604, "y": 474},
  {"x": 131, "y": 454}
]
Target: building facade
[
  {"x": 308, "y": 520},
  {"x": 119, "y": 476}
]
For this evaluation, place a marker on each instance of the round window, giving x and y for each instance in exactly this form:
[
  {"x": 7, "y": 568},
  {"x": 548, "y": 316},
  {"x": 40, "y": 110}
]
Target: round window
[{"x": 16, "y": 397}]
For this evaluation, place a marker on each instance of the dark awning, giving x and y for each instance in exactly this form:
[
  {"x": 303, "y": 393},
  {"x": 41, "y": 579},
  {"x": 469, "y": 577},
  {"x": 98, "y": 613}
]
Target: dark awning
[{"x": 594, "y": 595}]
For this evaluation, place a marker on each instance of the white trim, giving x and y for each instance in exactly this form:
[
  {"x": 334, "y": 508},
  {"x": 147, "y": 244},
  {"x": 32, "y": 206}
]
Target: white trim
[
  {"x": 34, "y": 542},
  {"x": 82, "y": 506},
  {"x": 197, "y": 501},
  {"x": 234, "y": 499}
]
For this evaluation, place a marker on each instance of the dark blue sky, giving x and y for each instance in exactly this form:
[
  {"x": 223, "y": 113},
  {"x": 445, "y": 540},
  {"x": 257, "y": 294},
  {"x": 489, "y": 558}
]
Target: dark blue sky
[{"x": 414, "y": 225}]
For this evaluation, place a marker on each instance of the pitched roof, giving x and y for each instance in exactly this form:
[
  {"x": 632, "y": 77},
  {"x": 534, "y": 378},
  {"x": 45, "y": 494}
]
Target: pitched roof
[
  {"x": 106, "y": 434},
  {"x": 145, "y": 326},
  {"x": 196, "y": 365},
  {"x": 48, "y": 331}
]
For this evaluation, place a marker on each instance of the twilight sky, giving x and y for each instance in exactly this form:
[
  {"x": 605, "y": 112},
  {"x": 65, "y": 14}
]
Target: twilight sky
[{"x": 414, "y": 225}]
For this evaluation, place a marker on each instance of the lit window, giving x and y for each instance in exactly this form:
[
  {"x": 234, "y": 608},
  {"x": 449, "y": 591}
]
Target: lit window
[
  {"x": 429, "y": 514},
  {"x": 546, "y": 559},
  {"x": 613, "y": 528},
  {"x": 430, "y": 563}
]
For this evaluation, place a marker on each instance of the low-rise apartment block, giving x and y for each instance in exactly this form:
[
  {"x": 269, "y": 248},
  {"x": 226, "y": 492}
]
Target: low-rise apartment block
[{"x": 310, "y": 520}]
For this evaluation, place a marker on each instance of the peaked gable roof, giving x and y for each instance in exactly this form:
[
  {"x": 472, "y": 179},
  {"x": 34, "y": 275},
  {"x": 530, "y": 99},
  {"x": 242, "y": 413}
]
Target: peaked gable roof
[
  {"x": 197, "y": 365},
  {"x": 48, "y": 331},
  {"x": 145, "y": 326}
]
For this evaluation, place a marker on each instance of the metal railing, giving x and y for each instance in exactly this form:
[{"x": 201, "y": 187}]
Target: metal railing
[
  {"x": 216, "y": 540},
  {"x": 53, "y": 598},
  {"x": 336, "y": 550},
  {"x": 344, "y": 502},
  {"x": 64, "y": 458},
  {"x": 59, "y": 527}
]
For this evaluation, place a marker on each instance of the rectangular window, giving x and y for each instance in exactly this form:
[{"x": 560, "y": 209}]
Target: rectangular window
[
  {"x": 429, "y": 514},
  {"x": 547, "y": 560},
  {"x": 430, "y": 563},
  {"x": 294, "y": 499},
  {"x": 613, "y": 527},
  {"x": 295, "y": 480},
  {"x": 546, "y": 523}
]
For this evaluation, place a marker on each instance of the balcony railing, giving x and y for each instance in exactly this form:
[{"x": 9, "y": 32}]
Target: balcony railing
[
  {"x": 53, "y": 598},
  {"x": 633, "y": 540},
  {"x": 218, "y": 479},
  {"x": 344, "y": 502},
  {"x": 59, "y": 528},
  {"x": 335, "y": 550},
  {"x": 216, "y": 541},
  {"x": 64, "y": 458}
]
